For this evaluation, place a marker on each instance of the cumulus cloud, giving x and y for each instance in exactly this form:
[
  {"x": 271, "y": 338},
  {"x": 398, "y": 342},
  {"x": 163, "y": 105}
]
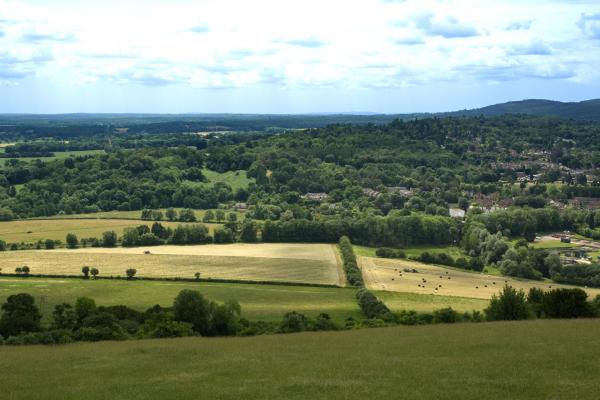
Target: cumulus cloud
[
  {"x": 519, "y": 25},
  {"x": 34, "y": 36},
  {"x": 310, "y": 41},
  {"x": 449, "y": 27},
  {"x": 535, "y": 47},
  {"x": 590, "y": 25},
  {"x": 409, "y": 40},
  {"x": 200, "y": 28}
]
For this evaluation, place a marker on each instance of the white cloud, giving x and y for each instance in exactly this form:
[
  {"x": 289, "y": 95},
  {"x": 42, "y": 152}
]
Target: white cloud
[{"x": 297, "y": 44}]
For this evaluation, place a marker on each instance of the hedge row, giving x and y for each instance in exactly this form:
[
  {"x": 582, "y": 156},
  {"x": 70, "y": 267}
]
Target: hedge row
[
  {"x": 388, "y": 252},
  {"x": 175, "y": 279},
  {"x": 353, "y": 274},
  {"x": 372, "y": 307}
]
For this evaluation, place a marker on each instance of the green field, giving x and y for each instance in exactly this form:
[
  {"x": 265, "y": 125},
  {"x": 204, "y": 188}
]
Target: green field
[
  {"x": 30, "y": 231},
  {"x": 57, "y": 155},
  {"x": 542, "y": 359},
  {"x": 259, "y": 302},
  {"x": 235, "y": 179}
]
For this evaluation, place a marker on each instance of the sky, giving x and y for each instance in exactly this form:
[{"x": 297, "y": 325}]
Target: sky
[{"x": 288, "y": 56}]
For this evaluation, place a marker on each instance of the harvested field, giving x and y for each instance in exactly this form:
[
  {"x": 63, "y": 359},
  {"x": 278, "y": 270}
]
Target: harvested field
[
  {"x": 30, "y": 231},
  {"x": 388, "y": 275},
  {"x": 304, "y": 263}
]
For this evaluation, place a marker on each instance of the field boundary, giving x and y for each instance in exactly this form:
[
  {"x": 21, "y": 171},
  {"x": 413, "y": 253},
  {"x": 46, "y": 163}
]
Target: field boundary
[
  {"x": 175, "y": 279},
  {"x": 343, "y": 280}
]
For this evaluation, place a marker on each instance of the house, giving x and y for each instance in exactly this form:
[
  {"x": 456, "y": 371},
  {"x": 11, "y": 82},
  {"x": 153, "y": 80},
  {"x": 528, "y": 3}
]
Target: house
[
  {"x": 315, "y": 196},
  {"x": 401, "y": 190},
  {"x": 372, "y": 193},
  {"x": 587, "y": 203},
  {"x": 240, "y": 206},
  {"x": 457, "y": 213}
]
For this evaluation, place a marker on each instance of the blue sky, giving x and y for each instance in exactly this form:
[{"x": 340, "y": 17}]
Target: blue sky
[{"x": 268, "y": 56}]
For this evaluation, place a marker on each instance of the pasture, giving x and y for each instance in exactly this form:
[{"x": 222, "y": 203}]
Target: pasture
[
  {"x": 388, "y": 275},
  {"x": 58, "y": 155},
  {"x": 309, "y": 263},
  {"x": 259, "y": 302},
  {"x": 544, "y": 359},
  {"x": 31, "y": 231}
]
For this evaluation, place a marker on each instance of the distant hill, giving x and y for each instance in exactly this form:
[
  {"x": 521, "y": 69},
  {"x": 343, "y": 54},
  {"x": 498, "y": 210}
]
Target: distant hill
[{"x": 583, "y": 110}]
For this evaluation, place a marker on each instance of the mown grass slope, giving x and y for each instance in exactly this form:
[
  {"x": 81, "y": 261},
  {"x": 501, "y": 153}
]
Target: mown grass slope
[{"x": 520, "y": 360}]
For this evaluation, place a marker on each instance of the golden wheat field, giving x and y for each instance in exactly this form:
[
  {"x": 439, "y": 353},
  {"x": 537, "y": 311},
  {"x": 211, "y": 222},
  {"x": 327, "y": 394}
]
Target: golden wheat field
[
  {"x": 275, "y": 262},
  {"x": 30, "y": 231},
  {"x": 389, "y": 275}
]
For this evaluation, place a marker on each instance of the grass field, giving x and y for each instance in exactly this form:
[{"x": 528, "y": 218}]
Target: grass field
[
  {"x": 30, "y": 231},
  {"x": 310, "y": 263},
  {"x": 57, "y": 155},
  {"x": 259, "y": 302},
  {"x": 535, "y": 360},
  {"x": 235, "y": 179},
  {"x": 388, "y": 275}
]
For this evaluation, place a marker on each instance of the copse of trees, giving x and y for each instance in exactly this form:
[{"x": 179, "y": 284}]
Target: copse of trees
[
  {"x": 353, "y": 274},
  {"x": 372, "y": 307}
]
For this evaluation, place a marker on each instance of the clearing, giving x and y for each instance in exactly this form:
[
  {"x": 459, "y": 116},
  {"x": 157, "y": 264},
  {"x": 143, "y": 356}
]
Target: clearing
[
  {"x": 537, "y": 360},
  {"x": 388, "y": 275},
  {"x": 278, "y": 262}
]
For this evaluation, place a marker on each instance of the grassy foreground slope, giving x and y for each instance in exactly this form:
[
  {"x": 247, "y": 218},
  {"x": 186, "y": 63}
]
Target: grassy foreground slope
[
  {"x": 522, "y": 360},
  {"x": 259, "y": 302}
]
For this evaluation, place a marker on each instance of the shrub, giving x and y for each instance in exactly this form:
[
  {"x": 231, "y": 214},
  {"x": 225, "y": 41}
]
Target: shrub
[
  {"x": 388, "y": 252},
  {"x": 72, "y": 241},
  {"x": 446, "y": 316},
  {"x": 567, "y": 303},
  {"x": 509, "y": 305},
  {"x": 109, "y": 239},
  {"x": 372, "y": 307},
  {"x": 293, "y": 322}
]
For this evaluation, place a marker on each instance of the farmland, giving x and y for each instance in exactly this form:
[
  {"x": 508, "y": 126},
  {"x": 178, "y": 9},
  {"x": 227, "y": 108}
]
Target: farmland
[
  {"x": 264, "y": 262},
  {"x": 135, "y": 214},
  {"x": 31, "y": 231},
  {"x": 259, "y": 302},
  {"x": 57, "y": 155},
  {"x": 388, "y": 275},
  {"x": 465, "y": 360}
]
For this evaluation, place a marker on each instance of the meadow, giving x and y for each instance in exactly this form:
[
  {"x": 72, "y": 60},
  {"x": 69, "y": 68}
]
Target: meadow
[
  {"x": 259, "y": 262},
  {"x": 58, "y": 155},
  {"x": 543, "y": 359},
  {"x": 259, "y": 302},
  {"x": 31, "y": 231},
  {"x": 389, "y": 275}
]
